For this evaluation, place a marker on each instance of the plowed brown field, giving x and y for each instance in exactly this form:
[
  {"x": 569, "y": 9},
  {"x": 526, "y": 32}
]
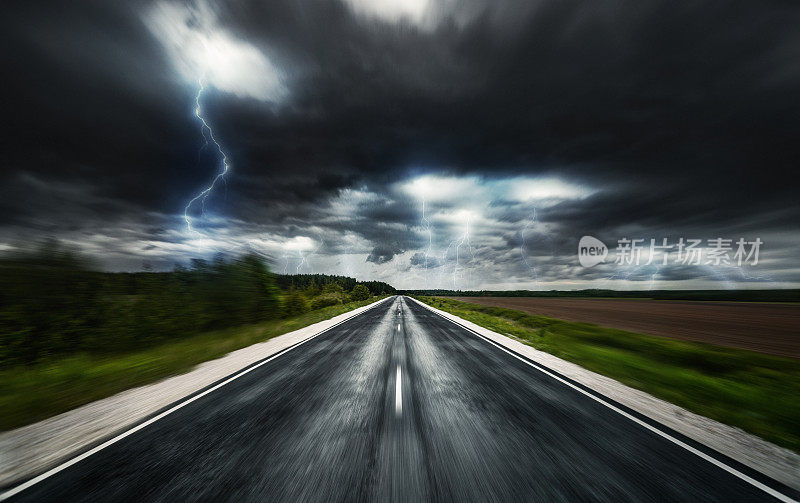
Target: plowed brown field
[{"x": 768, "y": 328}]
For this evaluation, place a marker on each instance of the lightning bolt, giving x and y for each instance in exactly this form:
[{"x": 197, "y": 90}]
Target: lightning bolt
[
  {"x": 749, "y": 277},
  {"x": 208, "y": 134},
  {"x": 654, "y": 275},
  {"x": 522, "y": 250},
  {"x": 286, "y": 262},
  {"x": 348, "y": 266},
  {"x": 302, "y": 261},
  {"x": 459, "y": 243},
  {"x": 426, "y": 224},
  {"x": 726, "y": 275},
  {"x": 302, "y": 257}
]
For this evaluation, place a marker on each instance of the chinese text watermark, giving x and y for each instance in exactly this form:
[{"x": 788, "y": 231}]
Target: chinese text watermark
[{"x": 641, "y": 251}]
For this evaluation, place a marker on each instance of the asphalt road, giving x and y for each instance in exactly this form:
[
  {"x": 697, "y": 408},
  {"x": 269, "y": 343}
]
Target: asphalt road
[{"x": 396, "y": 404}]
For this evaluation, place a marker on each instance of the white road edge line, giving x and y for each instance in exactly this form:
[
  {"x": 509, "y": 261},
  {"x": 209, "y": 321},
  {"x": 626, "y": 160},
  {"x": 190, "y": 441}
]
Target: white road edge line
[
  {"x": 18, "y": 489},
  {"x": 398, "y": 392},
  {"x": 733, "y": 471}
]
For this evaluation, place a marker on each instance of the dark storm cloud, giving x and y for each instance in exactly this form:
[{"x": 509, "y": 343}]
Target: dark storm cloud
[
  {"x": 420, "y": 260},
  {"x": 381, "y": 255},
  {"x": 683, "y": 116}
]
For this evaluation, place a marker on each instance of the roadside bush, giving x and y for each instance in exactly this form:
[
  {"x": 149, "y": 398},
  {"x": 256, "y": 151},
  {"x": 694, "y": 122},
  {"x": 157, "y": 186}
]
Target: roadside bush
[
  {"x": 324, "y": 301},
  {"x": 294, "y": 303},
  {"x": 333, "y": 288},
  {"x": 360, "y": 292}
]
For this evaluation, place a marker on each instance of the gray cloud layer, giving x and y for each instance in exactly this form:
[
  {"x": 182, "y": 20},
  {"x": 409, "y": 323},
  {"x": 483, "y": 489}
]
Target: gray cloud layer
[{"x": 675, "y": 120}]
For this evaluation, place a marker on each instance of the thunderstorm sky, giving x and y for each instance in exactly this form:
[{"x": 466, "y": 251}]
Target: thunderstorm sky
[{"x": 518, "y": 126}]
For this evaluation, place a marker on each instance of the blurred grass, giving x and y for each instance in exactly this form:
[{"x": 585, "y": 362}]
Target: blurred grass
[
  {"x": 756, "y": 392},
  {"x": 32, "y": 393}
]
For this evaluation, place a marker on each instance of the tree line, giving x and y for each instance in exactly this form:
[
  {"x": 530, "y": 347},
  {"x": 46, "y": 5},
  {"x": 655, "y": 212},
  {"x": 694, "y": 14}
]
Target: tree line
[
  {"x": 318, "y": 281},
  {"x": 767, "y": 295},
  {"x": 53, "y": 303}
]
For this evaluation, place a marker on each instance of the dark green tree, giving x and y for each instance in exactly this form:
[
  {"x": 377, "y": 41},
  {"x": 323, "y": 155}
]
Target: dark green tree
[
  {"x": 294, "y": 303},
  {"x": 360, "y": 292}
]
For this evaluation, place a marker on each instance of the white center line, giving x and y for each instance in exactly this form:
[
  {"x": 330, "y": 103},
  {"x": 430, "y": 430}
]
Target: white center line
[
  {"x": 398, "y": 326},
  {"x": 398, "y": 393}
]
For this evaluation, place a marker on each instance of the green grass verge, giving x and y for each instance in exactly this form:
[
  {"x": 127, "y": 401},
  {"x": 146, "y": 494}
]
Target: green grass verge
[
  {"x": 29, "y": 394},
  {"x": 756, "y": 392}
]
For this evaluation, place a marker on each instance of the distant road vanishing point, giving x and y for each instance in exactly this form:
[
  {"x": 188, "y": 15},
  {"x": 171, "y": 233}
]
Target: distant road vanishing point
[{"x": 400, "y": 404}]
